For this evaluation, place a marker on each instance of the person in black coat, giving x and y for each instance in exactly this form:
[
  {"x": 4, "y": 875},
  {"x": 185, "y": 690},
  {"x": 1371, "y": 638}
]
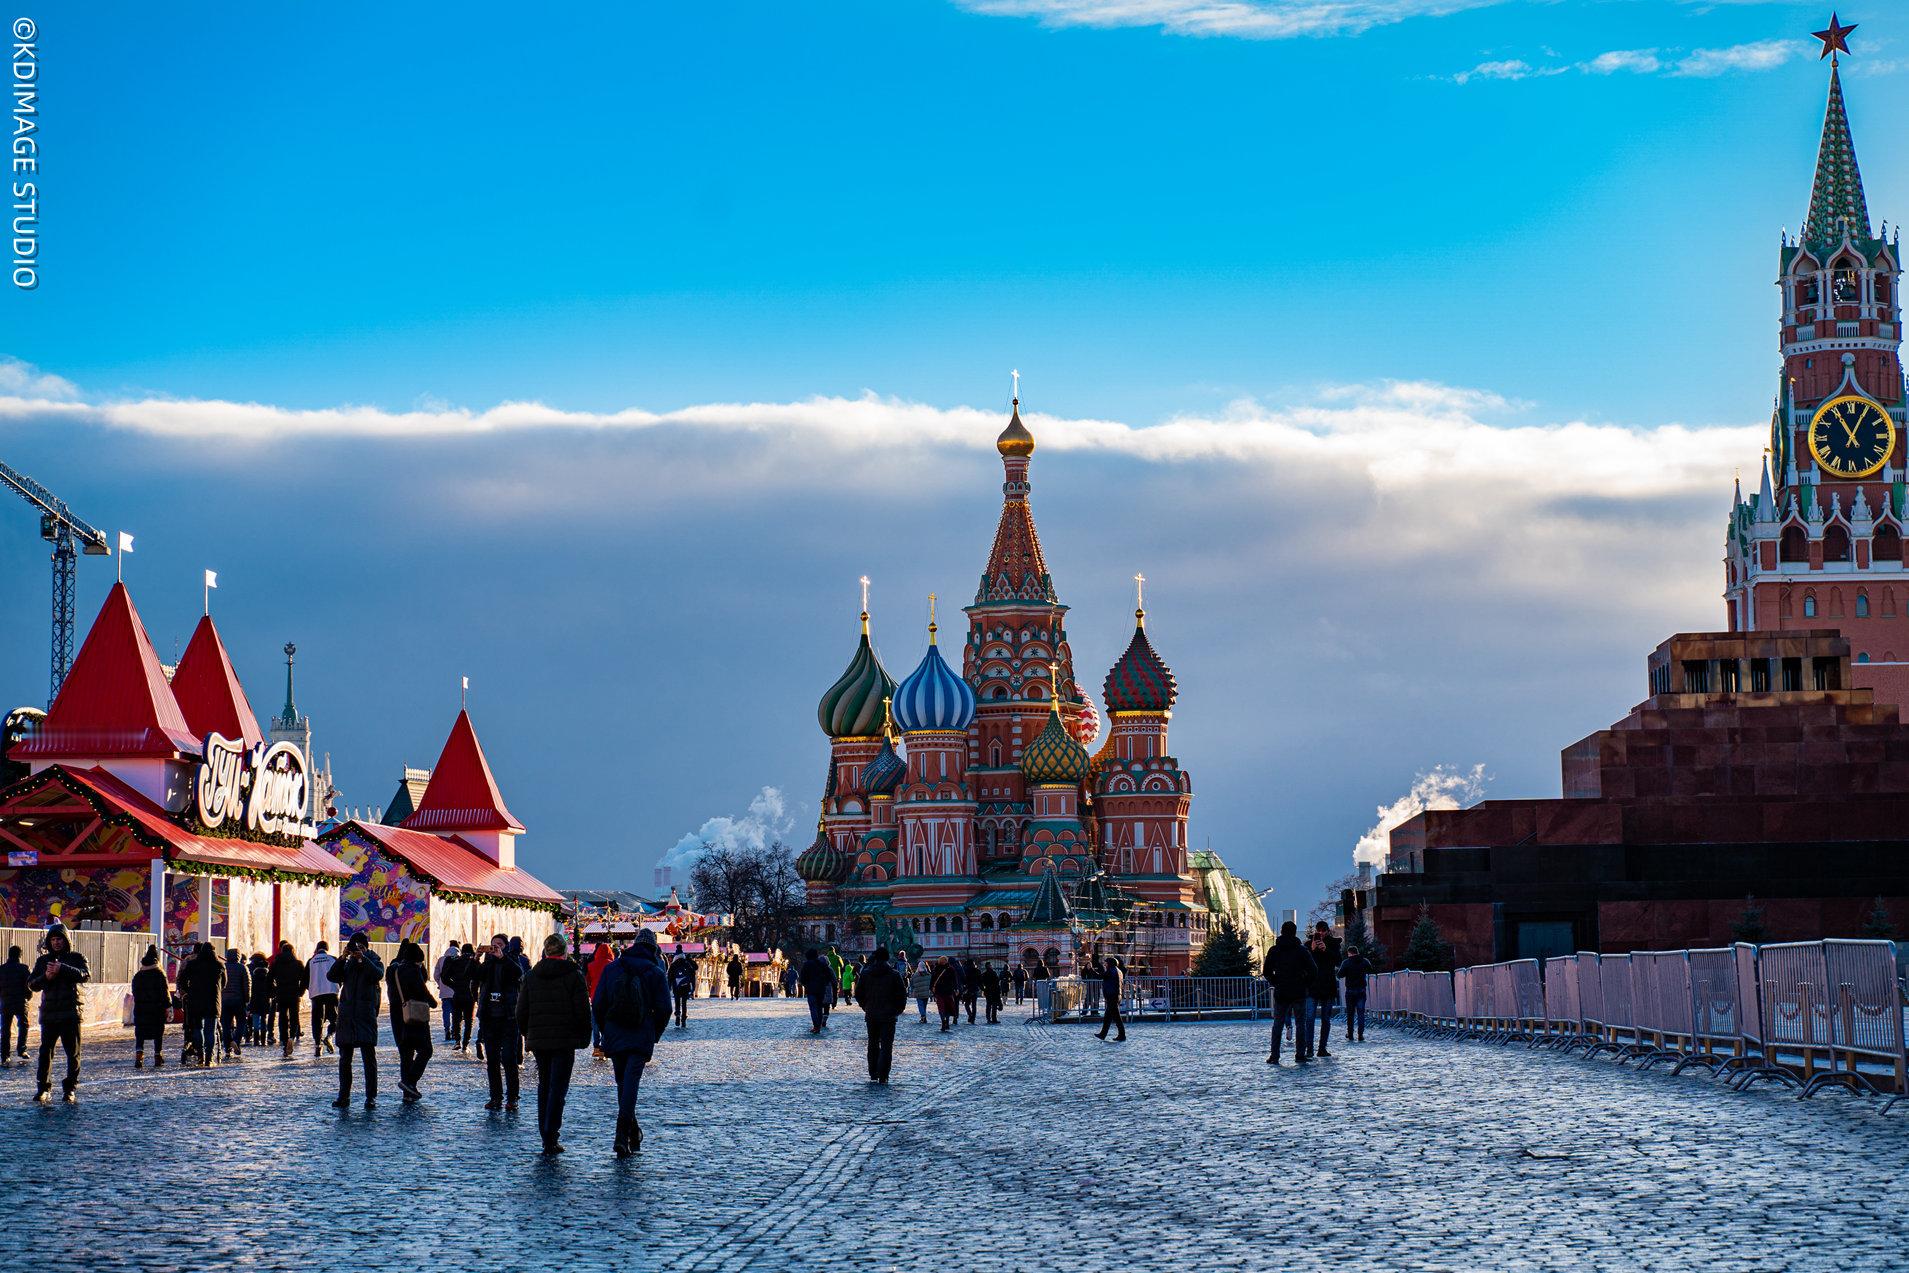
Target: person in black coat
[
  {"x": 818, "y": 982},
  {"x": 499, "y": 978},
  {"x": 1324, "y": 949},
  {"x": 201, "y": 978},
  {"x": 152, "y": 1004},
  {"x": 411, "y": 1005},
  {"x": 288, "y": 993},
  {"x": 553, "y": 1013},
  {"x": 682, "y": 984},
  {"x": 1112, "y": 978},
  {"x": 970, "y": 986},
  {"x": 1290, "y": 970},
  {"x": 1020, "y": 984},
  {"x": 1353, "y": 973},
  {"x": 359, "y": 976},
  {"x": 13, "y": 1006},
  {"x": 632, "y": 1009},
  {"x": 57, "y": 976},
  {"x": 883, "y": 995},
  {"x": 991, "y": 992},
  {"x": 234, "y": 1014},
  {"x": 466, "y": 1002},
  {"x": 264, "y": 1023}
]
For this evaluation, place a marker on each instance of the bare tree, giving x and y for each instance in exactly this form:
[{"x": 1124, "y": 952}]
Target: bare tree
[{"x": 759, "y": 887}]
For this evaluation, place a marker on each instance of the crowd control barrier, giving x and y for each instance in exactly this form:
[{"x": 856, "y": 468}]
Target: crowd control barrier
[{"x": 1806, "y": 1014}]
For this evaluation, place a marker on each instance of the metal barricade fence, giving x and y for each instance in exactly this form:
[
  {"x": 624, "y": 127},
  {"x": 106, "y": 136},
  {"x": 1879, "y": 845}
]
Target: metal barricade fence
[
  {"x": 1866, "y": 1029},
  {"x": 1796, "y": 1008},
  {"x": 1563, "y": 1018},
  {"x": 1590, "y": 998},
  {"x": 1660, "y": 981},
  {"x": 1716, "y": 1038},
  {"x": 1614, "y": 984}
]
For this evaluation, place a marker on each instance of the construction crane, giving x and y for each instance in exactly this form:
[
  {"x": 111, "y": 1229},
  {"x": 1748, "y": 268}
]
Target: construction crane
[{"x": 69, "y": 536}]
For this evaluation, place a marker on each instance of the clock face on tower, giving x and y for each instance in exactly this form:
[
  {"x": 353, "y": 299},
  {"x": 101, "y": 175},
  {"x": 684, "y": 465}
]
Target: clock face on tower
[{"x": 1851, "y": 436}]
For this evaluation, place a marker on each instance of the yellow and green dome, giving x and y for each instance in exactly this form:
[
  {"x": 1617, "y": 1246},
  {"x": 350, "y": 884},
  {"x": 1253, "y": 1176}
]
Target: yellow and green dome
[{"x": 1055, "y": 755}]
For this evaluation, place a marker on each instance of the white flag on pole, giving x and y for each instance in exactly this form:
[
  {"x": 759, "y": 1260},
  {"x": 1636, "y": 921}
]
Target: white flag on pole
[
  {"x": 125, "y": 542},
  {"x": 211, "y": 578}
]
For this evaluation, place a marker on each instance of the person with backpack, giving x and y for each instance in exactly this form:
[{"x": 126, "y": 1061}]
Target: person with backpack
[
  {"x": 152, "y": 1004},
  {"x": 633, "y": 1008},
  {"x": 499, "y": 979},
  {"x": 918, "y": 983},
  {"x": 884, "y": 997},
  {"x": 1290, "y": 971},
  {"x": 13, "y": 1007},
  {"x": 235, "y": 1017},
  {"x": 945, "y": 986},
  {"x": 57, "y": 976},
  {"x": 359, "y": 977},
  {"x": 553, "y": 1013},
  {"x": 682, "y": 983},
  {"x": 1353, "y": 973},
  {"x": 411, "y": 1007},
  {"x": 818, "y": 982},
  {"x": 201, "y": 983},
  {"x": 324, "y": 997}
]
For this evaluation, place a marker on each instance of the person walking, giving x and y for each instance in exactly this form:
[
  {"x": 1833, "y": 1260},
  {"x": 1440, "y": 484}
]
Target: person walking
[
  {"x": 498, "y": 980},
  {"x": 467, "y": 973},
  {"x": 359, "y": 977},
  {"x": 1020, "y": 984},
  {"x": 918, "y": 985},
  {"x": 1112, "y": 978},
  {"x": 970, "y": 986},
  {"x": 13, "y": 1006},
  {"x": 57, "y": 976},
  {"x": 444, "y": 974},
  {"x": 735, "y": 970},
  {"x": 201, "y": 992},
  {"x": 152, "y": 1003},
  {"x": 599, "y": 960},
  {"x": 848, "y": 980},
  {"x": 324, "y": 997},
  {"x": 1289, "y": 970},
  {"x": 553, "y": 1014},
  {"x": 945, "y": 986},
  {"x": 261, "y": 1001},
  {"x": 411, "y": 1006},
  {"x": 1324, "y": 949},
  {"x": 884, "y": 997},
  {"x": 288, "y": 992},
  {"x": 833, "y": 958},
  {"x": 991, "y": 991},
  {"x": 633, "y": 1007},
  {"x": 515, "y": 948},
  {"x": 682, "y": 984},
  {"x": 818, "y": 982},
  {"x": 1353, "y": 973},
  {"x": 235, "y": 1017}
]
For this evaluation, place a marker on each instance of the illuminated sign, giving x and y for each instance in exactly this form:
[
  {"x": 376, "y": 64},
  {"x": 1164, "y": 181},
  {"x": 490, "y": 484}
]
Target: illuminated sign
[{"x": 262, "y": 788}]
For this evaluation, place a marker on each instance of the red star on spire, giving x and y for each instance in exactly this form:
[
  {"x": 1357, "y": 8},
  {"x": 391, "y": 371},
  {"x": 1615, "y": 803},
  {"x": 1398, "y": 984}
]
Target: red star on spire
[{"x": 1835, "y": 39}]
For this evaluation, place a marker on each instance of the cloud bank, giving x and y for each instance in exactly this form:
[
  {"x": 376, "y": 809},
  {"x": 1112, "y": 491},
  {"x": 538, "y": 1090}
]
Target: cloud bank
[
  {"x": 1759, "y": 55},
  {"x": 1239, "y": 19}
]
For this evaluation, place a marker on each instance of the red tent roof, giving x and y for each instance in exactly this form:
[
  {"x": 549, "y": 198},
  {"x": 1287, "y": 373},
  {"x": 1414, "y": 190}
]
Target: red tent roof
[
  {"x": 462, "y": 795},
  {"x": 208, "y": 690},
  {"x": 115, "y": 701},
  {"x": 153, "y": 827},
  {"x": 450, "y": 863}
]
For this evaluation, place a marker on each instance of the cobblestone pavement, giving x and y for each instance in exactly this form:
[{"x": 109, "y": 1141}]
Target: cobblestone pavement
[{"x": 998, "y": 1147}]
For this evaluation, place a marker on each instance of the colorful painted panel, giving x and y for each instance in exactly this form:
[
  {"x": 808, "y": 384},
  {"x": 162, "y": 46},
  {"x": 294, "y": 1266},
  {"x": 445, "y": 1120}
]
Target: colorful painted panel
[
  {"x": 384, "y": 901},
  {"x": 33, "y": 896}
]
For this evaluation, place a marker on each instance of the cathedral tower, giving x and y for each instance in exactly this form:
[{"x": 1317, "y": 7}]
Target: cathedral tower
[{"x": 1820, "y": 543}]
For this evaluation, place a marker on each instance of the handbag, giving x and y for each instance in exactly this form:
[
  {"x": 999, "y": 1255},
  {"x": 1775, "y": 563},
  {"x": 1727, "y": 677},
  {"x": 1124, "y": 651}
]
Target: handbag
[{"x": 416, "y": 1012}]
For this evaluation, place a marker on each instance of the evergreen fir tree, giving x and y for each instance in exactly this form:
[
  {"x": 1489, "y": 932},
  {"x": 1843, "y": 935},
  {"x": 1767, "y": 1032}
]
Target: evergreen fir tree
[
  {"x": 1750, "y": 926},
  {"x": 1225, "y": 954},
  {"x": 1359, "y": 937},
  {"x": 1878, "y": 922},
  {"x": 1426, "y": 950}
]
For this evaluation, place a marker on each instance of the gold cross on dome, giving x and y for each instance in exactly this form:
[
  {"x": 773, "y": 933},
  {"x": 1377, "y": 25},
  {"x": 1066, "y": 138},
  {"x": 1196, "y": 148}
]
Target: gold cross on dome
[
  {"x": 1140, "y": 592},
  {"x": 864, "y": 594},
  {"x": 1017, "y": 384}
]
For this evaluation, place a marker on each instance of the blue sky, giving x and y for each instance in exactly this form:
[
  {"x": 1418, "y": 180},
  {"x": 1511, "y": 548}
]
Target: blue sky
[{"x": 1406, "y": 344}]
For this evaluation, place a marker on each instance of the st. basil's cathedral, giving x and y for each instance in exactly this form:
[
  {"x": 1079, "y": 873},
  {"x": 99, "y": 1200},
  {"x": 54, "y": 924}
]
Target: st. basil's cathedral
[{"x": 970, "y": 814}]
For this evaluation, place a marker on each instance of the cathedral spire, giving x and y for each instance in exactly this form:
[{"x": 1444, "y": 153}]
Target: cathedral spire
[
  {"x": 1016, "y": 569},
  {"x": 1837, "y": 205}
]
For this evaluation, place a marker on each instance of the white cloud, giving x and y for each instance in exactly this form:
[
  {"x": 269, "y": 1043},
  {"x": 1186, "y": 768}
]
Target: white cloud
[
  {"x": 765, "y": 821},
  {"x": 1397, "y": 435},
  {"x": 1760, "y": 55},
  {"x": 1243, "y": 19},
  {"x": 27, "y": 381},
  {"x": 1438, "y": 788}
]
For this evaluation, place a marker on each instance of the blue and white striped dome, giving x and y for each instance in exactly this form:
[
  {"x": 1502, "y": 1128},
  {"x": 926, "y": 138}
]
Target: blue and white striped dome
[{"x": 932, "y": 696}]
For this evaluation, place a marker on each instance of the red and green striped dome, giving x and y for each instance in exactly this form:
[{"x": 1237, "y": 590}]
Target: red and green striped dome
[{"x": 1140, "y": 680}]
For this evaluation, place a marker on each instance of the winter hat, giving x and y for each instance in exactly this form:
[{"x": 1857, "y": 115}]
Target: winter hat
[
  {"x": 150, "y": 958},
  {"x": 56, "y": 929},
  {"x": 644, "y": 937},
  {"x": 554, "y": 946}
]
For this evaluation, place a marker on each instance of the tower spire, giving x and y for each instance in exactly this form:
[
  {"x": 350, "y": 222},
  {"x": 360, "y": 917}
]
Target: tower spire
[
  {"x": 1837, "y": 204},
  {"x": 291, "y": 708}
]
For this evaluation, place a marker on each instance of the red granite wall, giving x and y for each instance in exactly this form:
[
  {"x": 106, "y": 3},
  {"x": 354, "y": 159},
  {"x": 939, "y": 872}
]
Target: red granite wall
[
  {"x": 1466, "y": 925},
  {"x": 1677, "y": 925}
]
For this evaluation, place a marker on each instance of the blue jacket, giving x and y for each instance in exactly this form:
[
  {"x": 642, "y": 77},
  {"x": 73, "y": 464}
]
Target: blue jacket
[{"x": 641, "y": 968}]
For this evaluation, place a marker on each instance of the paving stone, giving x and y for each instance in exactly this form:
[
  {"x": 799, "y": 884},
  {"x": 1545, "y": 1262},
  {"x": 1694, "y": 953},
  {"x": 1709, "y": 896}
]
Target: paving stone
[{"x": 1008, "y": 1147}]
